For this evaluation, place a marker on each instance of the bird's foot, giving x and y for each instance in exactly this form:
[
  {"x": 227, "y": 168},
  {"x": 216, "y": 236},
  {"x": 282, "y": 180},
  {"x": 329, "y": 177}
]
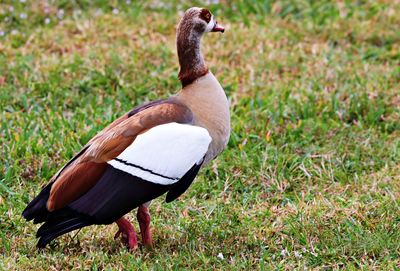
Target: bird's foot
[
  {"x": 127, "y": 232},
  {"x": 143, "y": 217}
]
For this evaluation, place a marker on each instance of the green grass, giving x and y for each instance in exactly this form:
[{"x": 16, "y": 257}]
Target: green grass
[{"x": 310, "y": 178}]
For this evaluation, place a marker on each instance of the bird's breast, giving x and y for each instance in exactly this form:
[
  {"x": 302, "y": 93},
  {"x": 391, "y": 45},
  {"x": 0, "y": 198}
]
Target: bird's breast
[{"x": 210, "y": 107}]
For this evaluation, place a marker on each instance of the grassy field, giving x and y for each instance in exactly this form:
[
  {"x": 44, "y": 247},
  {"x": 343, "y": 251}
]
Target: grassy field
[{"x": 311, "y": 177}]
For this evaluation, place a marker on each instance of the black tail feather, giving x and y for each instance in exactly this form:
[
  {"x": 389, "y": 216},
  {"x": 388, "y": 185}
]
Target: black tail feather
[
  {"x": 56, "y": 223},
  {"x": 59, "y": 223},
  {"x": 44, "y": 240},
  {"x": 36, "y": 209},
  {"x": 55, "y": 226}
]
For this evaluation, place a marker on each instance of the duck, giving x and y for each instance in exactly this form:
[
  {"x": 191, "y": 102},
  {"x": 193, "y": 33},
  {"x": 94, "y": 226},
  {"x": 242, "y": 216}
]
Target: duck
[{"x": 156, "y": 148}]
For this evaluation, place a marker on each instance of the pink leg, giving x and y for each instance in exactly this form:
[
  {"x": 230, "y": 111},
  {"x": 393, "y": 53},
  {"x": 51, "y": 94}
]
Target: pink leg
[
  {"x": 143, "y": 217},
  {"x": 128, "y": 233}
]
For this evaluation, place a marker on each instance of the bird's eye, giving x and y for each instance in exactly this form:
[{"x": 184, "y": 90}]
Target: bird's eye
[{"x": 205, "y": 15}]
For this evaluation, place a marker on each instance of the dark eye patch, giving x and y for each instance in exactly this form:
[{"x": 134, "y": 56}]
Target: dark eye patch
[{"x": 205, "y": 14}]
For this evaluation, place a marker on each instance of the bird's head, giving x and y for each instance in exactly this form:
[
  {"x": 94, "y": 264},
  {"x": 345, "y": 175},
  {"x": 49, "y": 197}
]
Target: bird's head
[{"x": 199, "y": 20}]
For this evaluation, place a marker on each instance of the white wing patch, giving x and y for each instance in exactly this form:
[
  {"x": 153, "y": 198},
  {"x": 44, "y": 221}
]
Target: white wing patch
[{"x": 164, "y": 153}]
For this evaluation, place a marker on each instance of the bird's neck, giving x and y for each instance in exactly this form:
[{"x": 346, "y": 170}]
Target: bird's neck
[{"x": 191, "y": 61}]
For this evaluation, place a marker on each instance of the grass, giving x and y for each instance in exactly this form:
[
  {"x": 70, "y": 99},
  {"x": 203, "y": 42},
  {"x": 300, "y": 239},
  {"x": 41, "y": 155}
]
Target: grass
[{"x": 310, "y": 178}]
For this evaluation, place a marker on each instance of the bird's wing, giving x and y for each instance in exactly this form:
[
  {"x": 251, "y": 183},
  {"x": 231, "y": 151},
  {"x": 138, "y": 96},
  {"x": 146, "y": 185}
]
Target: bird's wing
[
  {"x": 165, "y": 158},
  {"x": 84, "y": 170}
]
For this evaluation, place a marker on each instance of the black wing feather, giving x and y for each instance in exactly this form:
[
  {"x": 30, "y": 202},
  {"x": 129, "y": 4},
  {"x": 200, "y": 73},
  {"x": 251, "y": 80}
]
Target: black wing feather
[
  {"x": 115, "y": 194},
  {"x": 36, "y": 209},
  {"x": 180, "y": 187}
]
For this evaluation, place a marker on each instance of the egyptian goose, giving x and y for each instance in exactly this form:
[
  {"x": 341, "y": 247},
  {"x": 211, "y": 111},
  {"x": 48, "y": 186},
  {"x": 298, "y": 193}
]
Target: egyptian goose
[{"x": 156, "y": 148}]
